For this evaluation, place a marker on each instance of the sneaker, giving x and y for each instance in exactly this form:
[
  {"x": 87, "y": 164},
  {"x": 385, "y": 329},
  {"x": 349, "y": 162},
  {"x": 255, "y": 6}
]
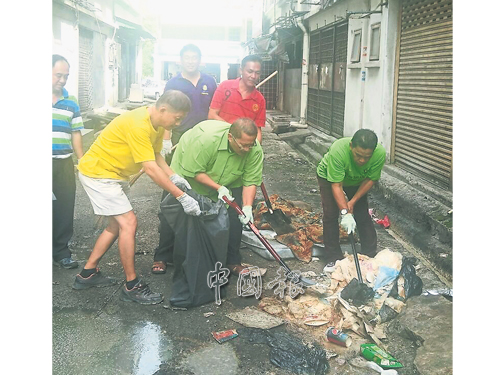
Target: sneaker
[
  {"x": 332, "y": 260},
  {"x": 141, "y": 294},
  {"x": 97, "y": 279},
  {"x": 329, "y": 267},
  {"x": 66, "y": 263}
]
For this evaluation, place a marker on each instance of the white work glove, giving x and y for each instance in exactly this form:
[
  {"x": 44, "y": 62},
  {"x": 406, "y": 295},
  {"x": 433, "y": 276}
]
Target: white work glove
[
  {"x": 248, "y": 215},
  {"x": 224, "y": 192},
  {"x": 190, "y": 205},
  {"x": 180, "y": 182},
  {"x": 348, "y": 223},
  {"x": 167, "y": 147}
]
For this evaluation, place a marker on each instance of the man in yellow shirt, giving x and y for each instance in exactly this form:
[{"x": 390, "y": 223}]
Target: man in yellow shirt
[{"x": 131, "y": 142}]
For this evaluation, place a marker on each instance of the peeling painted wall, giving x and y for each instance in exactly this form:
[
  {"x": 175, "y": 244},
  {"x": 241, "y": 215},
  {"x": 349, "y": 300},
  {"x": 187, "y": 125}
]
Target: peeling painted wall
[
  {"x": 369, "y": 84},
  {"x": 292, "y": 86}
]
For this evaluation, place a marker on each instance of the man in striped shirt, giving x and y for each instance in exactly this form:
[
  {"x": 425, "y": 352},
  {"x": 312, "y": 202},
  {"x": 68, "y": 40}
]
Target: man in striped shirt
[{"x": 66, "y": 139}]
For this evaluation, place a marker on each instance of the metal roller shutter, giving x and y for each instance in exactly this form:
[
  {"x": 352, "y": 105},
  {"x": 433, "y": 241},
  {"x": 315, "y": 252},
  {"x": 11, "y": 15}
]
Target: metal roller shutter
[
  {"x": 424, "y": 91},
  {"x": 326, "y": 103},
  {"x": 85, "y": 84},
  {"x": 338, "y": 107},
  {"x": 270, "y": 89},
  {"x": 312, "y": 95},
  {"x": 319, "y": 103}
]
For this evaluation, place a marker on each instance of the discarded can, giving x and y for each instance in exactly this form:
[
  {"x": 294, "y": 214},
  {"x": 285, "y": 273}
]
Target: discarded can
[
  {"x": 338, "y": 337},
  {"x": 373, "y": 353}
]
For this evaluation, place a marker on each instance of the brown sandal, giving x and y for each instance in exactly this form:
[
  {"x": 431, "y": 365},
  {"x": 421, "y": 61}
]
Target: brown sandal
[{"x": 158, "y": 267}]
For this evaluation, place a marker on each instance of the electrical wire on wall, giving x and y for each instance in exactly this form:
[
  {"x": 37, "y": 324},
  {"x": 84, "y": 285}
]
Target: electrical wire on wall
[
  {"x": 87, "y": 6},
  {"x": 364, "y": 14}
]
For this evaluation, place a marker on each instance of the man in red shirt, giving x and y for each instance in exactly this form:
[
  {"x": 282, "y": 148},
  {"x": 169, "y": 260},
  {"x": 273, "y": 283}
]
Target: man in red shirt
[{"x": 236, "y": 98}]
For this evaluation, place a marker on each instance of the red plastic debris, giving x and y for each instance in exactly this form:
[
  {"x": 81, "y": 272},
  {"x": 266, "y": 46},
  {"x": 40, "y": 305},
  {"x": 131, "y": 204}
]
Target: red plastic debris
[{"x": 385, "y": 222}]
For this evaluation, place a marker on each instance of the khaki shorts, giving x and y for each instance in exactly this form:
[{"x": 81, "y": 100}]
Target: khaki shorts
[{"x": 108, "y": 196}]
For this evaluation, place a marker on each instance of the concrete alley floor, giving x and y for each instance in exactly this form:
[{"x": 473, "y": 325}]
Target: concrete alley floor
[{"x": 96, "y": 333}]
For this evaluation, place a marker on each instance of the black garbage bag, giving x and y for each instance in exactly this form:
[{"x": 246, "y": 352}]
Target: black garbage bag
[
  {"x": 386, "y": 313},
  {"x": 200, "y": 242},
  {"x": 413, "y": 284},
  {"x": 357, "y": 293},
  {"x": 289, "y": 352}
]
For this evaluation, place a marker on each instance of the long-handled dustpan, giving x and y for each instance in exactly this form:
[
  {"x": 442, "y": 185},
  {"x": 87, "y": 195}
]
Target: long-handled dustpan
[
  {"x": 304, "y": 280},
  {"x": 276, "y": 218},
  {"x": 356, "y": 291}
]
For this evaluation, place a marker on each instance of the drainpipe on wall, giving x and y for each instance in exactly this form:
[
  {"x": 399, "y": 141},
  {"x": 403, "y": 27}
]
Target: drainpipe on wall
[{"x": 305, "y": 71}]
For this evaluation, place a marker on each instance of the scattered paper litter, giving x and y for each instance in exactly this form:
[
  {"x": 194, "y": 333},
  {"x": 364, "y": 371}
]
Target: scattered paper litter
[
  {"x": 250, "y": 317},
  {"x": 315, "y": 320},
  {"x": 261, "y": 270}
]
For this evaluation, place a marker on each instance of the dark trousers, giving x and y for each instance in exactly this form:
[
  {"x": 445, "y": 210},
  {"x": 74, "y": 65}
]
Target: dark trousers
[
  {"x": 63, "y": 208},
  {"x": 165, "y": 250},
  {"x": 364, "y": 223},
  {"x": 174, "y": 139}
]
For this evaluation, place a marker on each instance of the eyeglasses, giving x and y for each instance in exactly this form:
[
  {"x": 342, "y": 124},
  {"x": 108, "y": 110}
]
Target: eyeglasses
[{"x": 243, "y": 147}]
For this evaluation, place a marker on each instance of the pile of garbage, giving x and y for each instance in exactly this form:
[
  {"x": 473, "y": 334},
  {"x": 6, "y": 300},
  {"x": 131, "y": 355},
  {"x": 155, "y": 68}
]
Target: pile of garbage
[
  {"x": 332, "y": 317},
  {"x": 350, "y": 309},
  {"x": 392, "y": 278},
  {"x": 308, "y": 226}
]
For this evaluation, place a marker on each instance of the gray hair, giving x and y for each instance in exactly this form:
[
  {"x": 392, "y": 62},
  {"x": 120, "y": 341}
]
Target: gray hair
[
  {"x": 56, "y": 58},
  {"x": 243, "y": 125},
  {"x": 175, "y": 100}
]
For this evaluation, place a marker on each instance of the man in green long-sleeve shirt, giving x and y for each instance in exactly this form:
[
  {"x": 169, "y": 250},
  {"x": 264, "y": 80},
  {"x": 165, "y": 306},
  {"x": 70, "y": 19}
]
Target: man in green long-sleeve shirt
[
  {"x": 351, "y": 166},
  {"x": 216, "y": 157}
]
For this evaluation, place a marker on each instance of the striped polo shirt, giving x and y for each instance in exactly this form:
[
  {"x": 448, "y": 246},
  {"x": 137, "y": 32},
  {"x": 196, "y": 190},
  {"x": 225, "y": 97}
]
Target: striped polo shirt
[{"x": 66, "y": 119}]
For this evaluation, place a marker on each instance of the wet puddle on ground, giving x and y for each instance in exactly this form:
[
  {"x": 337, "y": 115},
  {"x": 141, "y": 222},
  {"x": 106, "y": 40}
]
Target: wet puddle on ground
[
  {"x": 84, "y": 344},
  {"x": 213, "y": 359}
]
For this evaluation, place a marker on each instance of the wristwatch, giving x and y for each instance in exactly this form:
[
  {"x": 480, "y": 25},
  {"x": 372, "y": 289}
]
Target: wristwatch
[{"x": 343, "y": 211}]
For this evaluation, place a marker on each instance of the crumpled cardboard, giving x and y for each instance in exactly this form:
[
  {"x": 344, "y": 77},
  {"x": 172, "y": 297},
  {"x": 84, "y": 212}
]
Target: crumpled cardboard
[{"x": 345, "y": 270}]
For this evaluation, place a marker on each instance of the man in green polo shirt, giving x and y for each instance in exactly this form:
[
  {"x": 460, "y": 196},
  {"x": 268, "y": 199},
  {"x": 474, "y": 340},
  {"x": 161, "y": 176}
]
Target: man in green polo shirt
[
  {"x": 215, "y": 157},
  {"x": 351, "y": 166}
]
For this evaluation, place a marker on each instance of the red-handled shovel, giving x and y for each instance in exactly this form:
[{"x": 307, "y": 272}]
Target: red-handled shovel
[{"x": 304, "y": 280}]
